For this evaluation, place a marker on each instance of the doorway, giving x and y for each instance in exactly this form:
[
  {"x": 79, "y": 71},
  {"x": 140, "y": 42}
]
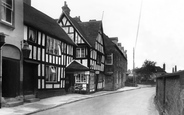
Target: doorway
[
  {"x": 11, "y": 77},
  {"x": 30, "y": 78},
  {"x": 69, "y": 83}
]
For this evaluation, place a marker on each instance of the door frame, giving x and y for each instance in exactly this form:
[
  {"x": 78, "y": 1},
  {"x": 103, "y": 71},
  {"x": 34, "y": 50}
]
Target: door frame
[{"x": 35, "y": 77}]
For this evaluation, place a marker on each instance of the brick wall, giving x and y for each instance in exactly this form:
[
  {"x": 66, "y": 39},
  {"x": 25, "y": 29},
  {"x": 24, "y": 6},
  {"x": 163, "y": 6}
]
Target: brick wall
[{"x": 170, "y": 93}]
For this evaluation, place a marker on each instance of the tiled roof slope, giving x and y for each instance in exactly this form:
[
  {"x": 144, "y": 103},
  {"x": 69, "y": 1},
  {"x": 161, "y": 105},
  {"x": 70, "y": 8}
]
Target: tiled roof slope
[
  {"x": 44, "y": 23},
  {"x": 109, "y": 43},
  {"x": 91, "y": 30},
  {"x": 75, "y": 66}
]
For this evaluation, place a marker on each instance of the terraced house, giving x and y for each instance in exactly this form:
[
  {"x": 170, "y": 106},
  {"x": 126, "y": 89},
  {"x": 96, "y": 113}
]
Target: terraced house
[
  {"x": 115, "y": 64},
  {"x": 44, "y": 57},
  {"x": 11, "y": 33},
  {"x": 88, "y": 36}
]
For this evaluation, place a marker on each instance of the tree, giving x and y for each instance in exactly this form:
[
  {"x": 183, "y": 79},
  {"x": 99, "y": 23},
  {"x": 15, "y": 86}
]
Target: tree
[{"x": 147, "y": 69}]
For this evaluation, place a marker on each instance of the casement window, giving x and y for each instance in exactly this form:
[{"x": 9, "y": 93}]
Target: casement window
[
  {"x": 32, "y": 35},
  {"x": 63, "y": 47},
  {"x": 53, "y": 46},
  {"x": 7, "y": 11},
  {"x": 80, "y": 78},
  {"x": 80, "y": 53},
  {"x": 99, "y": 58},
  {"x": 109, "y": 59},
  {"x": 51, "y": 73}
]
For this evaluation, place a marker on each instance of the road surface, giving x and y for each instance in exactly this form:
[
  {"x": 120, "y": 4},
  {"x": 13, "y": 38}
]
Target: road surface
[{"x": 135, "y": 102}]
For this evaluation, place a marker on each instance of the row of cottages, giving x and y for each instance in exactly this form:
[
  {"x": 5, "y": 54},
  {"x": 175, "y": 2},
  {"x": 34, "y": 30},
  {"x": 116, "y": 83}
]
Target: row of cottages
[
  {"x": 43, "y": 57},
  {"x": 115, "y": 65}
]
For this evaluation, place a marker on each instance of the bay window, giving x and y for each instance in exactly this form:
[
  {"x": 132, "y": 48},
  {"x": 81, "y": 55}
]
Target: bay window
[{"x": 80, "y": 78}]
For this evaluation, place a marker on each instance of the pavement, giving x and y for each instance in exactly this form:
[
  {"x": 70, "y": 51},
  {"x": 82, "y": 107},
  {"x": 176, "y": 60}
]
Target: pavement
[{"x": 52, "y": 102}]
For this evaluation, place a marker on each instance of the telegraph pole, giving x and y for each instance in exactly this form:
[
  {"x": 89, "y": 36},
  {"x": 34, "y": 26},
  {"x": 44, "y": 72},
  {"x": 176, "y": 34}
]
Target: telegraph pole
[{"x": 134, "y": 78}]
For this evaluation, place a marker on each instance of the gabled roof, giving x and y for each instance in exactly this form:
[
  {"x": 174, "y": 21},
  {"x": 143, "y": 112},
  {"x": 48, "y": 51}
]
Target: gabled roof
[
  {"x": 75, "y": 66},
  {"x": 159, "y": 69},
  {"x": 77, "y": 26},
  {"x": 44, "y": 23},
  {"x": 91, "y": 30}
]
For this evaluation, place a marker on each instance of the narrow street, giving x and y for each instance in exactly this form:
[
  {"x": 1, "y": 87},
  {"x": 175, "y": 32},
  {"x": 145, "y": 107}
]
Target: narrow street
[{"x": 135, "y": 102}]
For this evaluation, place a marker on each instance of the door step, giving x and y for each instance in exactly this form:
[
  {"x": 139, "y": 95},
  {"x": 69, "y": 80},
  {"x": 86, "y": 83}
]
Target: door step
[
  {"x": 13, "y": 103},
  {"x": 30, "y": 98}
]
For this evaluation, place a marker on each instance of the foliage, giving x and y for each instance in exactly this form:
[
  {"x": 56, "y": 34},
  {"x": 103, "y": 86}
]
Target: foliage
[{"x": 147, "y": 69}]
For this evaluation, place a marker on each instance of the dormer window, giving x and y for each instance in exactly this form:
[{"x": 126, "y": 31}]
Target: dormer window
[
  {"x": 7, "y": 11},
  {"x": 81, "y": 53}
]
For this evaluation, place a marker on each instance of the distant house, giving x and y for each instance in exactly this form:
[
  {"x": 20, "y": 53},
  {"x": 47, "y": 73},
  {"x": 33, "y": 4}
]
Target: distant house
[
  {"x": 88, "y": 36},
  {"x": 159, "y": 71},
  {"x": 115, "y": 64}
]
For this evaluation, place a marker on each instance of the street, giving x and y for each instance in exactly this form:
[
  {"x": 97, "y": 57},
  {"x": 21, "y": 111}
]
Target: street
[{"x": 135, "y": 102}]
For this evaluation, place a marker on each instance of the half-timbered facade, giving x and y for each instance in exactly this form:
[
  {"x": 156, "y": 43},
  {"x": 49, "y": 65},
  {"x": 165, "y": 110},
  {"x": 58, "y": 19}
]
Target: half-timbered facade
[
  {"x": 51, "y": 51},
  {"x": 88, "y": 36}
]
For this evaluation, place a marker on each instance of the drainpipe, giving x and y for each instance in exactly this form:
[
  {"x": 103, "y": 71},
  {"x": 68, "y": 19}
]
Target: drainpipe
[{"x": 2, "y": 42}]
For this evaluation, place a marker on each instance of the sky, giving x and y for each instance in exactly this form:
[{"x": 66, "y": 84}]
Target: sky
[{"x": 161, "y": 28}]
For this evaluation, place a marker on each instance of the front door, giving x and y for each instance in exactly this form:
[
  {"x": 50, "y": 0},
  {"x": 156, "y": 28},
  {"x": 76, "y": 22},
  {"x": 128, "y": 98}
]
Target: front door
[
  {"x": 69, "y": 83},
  {"x": 10, "y": 77},
  {"x": 29, "y": 79}
]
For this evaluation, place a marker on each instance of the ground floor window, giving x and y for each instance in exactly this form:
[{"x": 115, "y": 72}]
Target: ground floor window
[
  {"x": 80, "y": 78},
  {"x": 51, "y": 73}
]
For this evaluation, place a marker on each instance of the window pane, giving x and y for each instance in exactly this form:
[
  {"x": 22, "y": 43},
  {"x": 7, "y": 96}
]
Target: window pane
[
  {"x": 77, "y": 52},
  {"x": 32, "y": 35},
  {"x": 82, "y": 52},
  {"x": 51, "y": 73},
  {"x": 7, "y": 10},
  {"x": 8, "y": 15}
]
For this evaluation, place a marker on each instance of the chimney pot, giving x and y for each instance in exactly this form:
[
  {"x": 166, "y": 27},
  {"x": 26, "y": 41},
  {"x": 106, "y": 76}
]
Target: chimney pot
[
  {"x": 164, "y": 66},
  {"x": 66, "y": 9}
]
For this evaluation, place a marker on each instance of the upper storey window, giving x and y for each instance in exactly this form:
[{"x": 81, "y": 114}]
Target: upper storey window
[
  {"x": 53, "y": 46},
  {"x": 32, "y": 35},
  {"x": 81, "y": 52},
  {"x": 7, "y": 11}
]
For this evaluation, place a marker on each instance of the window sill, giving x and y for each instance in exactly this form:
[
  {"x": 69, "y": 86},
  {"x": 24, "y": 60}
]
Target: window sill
[
  {"x": 80, "y": 82},
  {"x": 7, "y": 25},
  {"x": 51, "y": 82}
]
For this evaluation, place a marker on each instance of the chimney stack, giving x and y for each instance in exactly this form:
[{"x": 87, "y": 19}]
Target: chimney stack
[
  {"x": 164, "y": 66},
  {"x": 77, "y": 18},
  {"x": 175, "y": 68},
  {"x": 66, "y": 9},
  {"x": 114, "y": 40}
]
